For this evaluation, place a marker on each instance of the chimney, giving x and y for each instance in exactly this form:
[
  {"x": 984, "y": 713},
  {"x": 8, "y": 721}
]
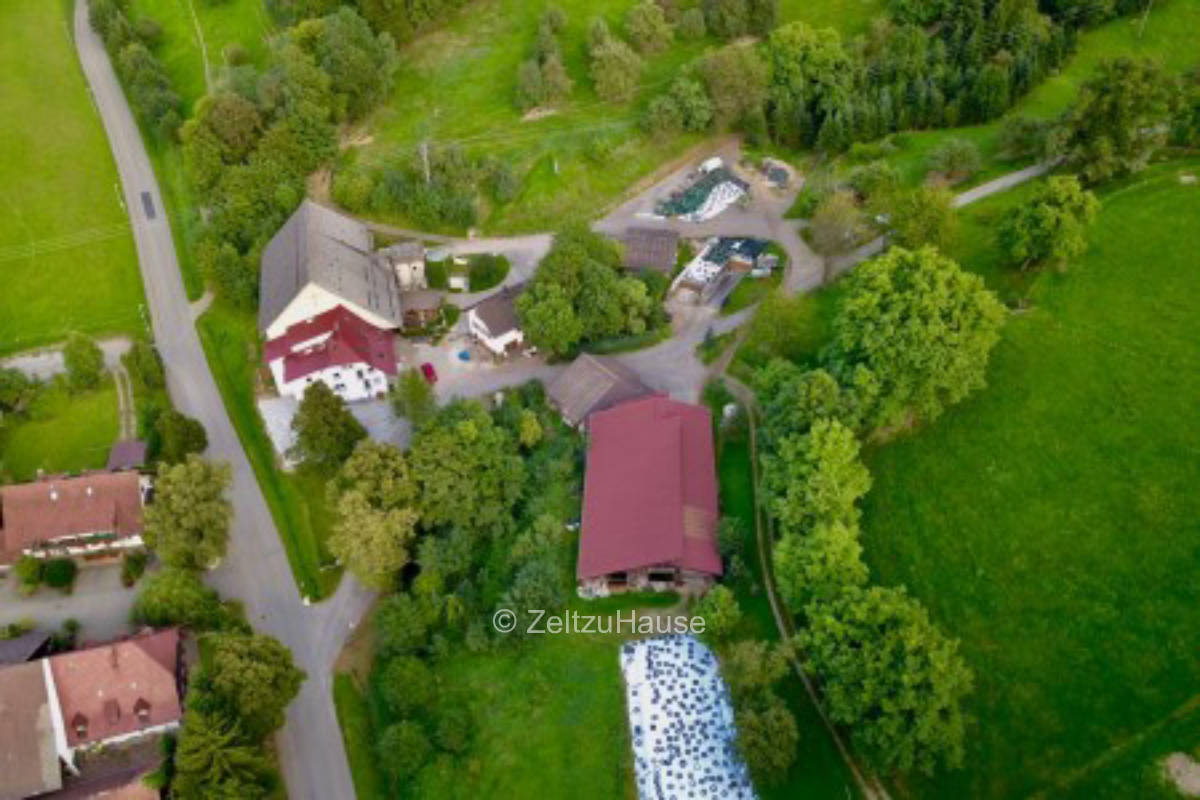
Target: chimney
[
  {"x": 141, "y": 709},
  {"x": 53, "y": 495},
  {"x": 89, "y": 491}
]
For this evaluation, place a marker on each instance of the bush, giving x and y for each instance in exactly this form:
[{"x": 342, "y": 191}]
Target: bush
[
  {"x": 84, "y": 362},
  {"x": 133, "y": 566},
  {"x": 178, "y": 597},
  {"x": 29, "y": 572},
  {"x": 144, "y": 366},
  {"x": 403, "y": 750},
  {"x": 691, "y": 25},
  {"x": 486, "y": 271},
  {"x": 59, "y": 573},
  {"x": 407, "y": 685},
  {"x": 955, "y": 160}
]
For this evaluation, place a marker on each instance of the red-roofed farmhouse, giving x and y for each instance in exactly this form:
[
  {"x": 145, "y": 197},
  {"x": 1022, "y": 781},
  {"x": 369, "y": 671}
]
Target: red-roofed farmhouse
[
  {"x": 345, "y": 352},
  {"x": 649, "y": 499}
]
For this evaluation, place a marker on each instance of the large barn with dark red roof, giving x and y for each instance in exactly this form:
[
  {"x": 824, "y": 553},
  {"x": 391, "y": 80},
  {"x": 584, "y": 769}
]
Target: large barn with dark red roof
[
  {"x": 649, "y": 499},
  {"x": 345, "y": 352}
]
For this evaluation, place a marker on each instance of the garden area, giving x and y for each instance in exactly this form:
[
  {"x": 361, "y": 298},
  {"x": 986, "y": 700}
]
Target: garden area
[
  {"x": 1071, "y": 463},
  {"x": 66, "y": 252}
]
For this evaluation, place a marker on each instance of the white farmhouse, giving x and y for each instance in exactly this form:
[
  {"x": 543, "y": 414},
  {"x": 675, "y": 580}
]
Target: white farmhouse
[
  {"x": 352, "y": 357},
  {"x": 493, "y": 323}
]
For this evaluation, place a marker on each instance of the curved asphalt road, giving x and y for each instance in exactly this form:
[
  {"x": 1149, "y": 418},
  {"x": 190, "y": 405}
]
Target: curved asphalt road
[{"x": 256, "y": 571}]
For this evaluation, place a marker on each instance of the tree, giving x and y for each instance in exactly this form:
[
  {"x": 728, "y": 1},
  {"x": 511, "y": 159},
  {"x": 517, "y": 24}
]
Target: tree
[
  {"x": 359, "y": 63},
  {"x": 616, "y": 70},
  {"x": 727, "y": 18},
  {"x": 736, "y": 79},
  {"x": 403, "y": 750},
  {"x": 531, "y": 88},
  {"x": 924, "y": 216},
  {"x": 468, "y": 469},
  {"x": 695, "y": 108},
  {"x": 1050, "y": 228},
  {"x": 326, "y": 431},
  {"x": 923, "y": 329},
  {"x": 413, "y": 398},
  {"x": 663, "y": 117},
  {"x": 646, "y": 26},
  {"x": 691, "y": 25},
  {"x": 955, "y": 160},
  {"x": 144, "y": 365},
  {"x": 187, "y": 524},
  {"x": 549, "y": 320},
  {"x": 837, "y": 226},
  {"x": 84, "y": 361},
  {"x": 1121, "y": 117},
  {"x": 720, "y": 611},
  {"x": 818, "y": 564},
  {"x": 16, "y": 391},
  {"x": 816, "y": 477},
  {"x": 215, "y": 759},
  {"x": 179, "y": 436},
  {"x": 529, "y": 430},
  {"x": 402, "y": 624},
  {"x": 176, "y": 596},
  {"x": 767, "y": 739},
  {"x": 891, "y": 677},
  {"x": 375, "y": 498},
  {"x": 408, "y": 686},
  {"x": 556, "y": 83},
  {"x": 252, "y": 677},
  {"x": 811, "y": 74},
  {"x": 750, "y": 667}
]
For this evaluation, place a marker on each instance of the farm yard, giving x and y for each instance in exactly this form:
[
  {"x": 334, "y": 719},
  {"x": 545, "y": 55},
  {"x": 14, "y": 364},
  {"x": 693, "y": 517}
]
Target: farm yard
[
  {"x": 1050, "y": 521},
  {"x": 66, "y": 253}
]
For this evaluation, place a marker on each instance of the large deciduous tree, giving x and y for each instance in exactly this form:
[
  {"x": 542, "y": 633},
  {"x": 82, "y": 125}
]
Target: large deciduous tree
[
  {"x": 646, "y": 26},
  {"x": 1052, "y": 227},
  {"x": 326, "y": 431},
  {"x": 921, "y": 326},
  {"x": 924, "y": 216},
  {"x": 468, "y": 468},
  {"x": 1122, "y": 116},
  {"x": 250, "y": 677},
  {"x": 891, "y": 677},
  {"x": 816, "y": 476},
  {"x": 375, "y": 498},
  {"x": 175, "y": 596},
  {"x": 359, "y": 63},
  {"x": 187, "y": 523}
]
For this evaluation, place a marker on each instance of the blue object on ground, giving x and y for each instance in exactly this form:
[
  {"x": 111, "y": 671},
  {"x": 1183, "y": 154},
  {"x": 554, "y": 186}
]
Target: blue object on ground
[{"x": 464, "y": 355}]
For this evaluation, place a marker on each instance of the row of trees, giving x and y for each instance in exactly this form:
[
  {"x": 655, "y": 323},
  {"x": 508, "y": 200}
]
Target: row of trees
[
  {"x": 543, "y": 78},
  {"x": 401, "y": 21},
  {"x": 579, "y": 294},
  {"x": 131, "y": 47},
  {"x": 911, "y": 336}
]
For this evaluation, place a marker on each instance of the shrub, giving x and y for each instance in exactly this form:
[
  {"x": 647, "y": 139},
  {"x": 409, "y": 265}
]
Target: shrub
[
  {"x": 29, "y": 572},
  {"x": 407, "y": 686},
  {"x": 133, "y": 566},
  {"x": 84, "y": 362},
  {"x": 691, "y": 25},
  {"x": 955, "y": 160},
  {"x": 403, "y": 749},
  {"x": 59, "y": 573}
]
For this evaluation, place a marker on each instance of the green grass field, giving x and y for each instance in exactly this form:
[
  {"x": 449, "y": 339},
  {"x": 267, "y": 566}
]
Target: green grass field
[
  {"x": 64, "y": 432},
  {"x": 457, "y": 85},
  {"x": 66, "y": 253},
  {"x": 297, "y": 500},
  {"x": 1051, "y": 521},
  {"x": 354, "y": 717},
  {"x": 192, "y": 28}
]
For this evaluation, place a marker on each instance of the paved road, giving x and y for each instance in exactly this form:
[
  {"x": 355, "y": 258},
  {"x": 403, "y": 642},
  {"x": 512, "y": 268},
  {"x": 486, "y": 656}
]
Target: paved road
[
  {"x": 46, "y": 362},
  {"x": 310, "y": 747}
]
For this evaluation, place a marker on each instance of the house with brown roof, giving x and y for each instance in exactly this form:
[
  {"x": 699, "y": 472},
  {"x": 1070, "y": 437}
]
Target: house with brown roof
[
  {"x": 92, "y": 699},
  {"x": 337, "y": 348},
  {"x": 649, "y": 500},
  {"x": 117, "y": 691},
  {"x": 493, "y": 322},
  {"x": 72, "y": 516},
  {"x": 593, "y": 383}
]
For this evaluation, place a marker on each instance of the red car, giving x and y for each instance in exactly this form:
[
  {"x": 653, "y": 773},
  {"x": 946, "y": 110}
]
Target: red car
[{"x": 429, "y": 372}]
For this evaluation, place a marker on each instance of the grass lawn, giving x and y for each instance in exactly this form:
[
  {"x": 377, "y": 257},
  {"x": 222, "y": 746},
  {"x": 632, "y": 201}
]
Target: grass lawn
[
  {"x": 752, "y": 290},
  {"x": 189, "y": 24},
  {"x": 65, "y": 432},
  {"x": 354, "y": 717},
  {"x": 456, "y": 85},
  {"x": 66, "y": 252},
  {"x": 1051, "y": 521},
  {"x": 549, "y": 722},
  {"x": 296, "y": 500}
]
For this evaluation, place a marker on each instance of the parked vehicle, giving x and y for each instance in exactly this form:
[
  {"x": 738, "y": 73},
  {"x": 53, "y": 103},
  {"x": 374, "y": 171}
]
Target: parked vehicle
[{"x": 429, "y": 372}]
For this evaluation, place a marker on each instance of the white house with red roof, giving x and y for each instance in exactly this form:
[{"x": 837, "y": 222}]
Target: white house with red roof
[
  {"x": 649, "y": 500},
  {"x": 354, "y": 358}
]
